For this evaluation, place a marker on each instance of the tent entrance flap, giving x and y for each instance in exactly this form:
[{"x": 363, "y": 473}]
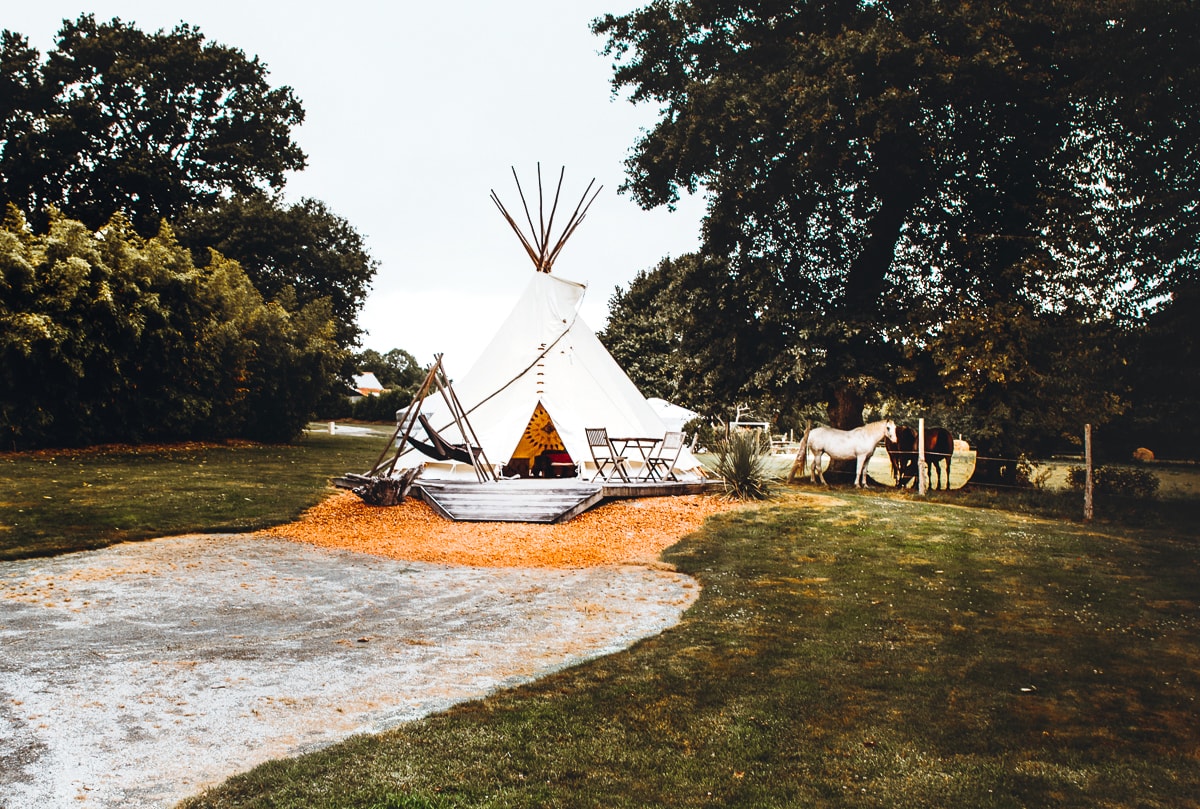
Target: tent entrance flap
[{"x": 541, "y": 451}]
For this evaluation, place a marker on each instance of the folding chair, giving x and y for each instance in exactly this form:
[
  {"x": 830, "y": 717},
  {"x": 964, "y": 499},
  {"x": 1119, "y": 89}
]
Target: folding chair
[
  {"x": 661, "y": 463},
  {"x": 605, "y": 455}
]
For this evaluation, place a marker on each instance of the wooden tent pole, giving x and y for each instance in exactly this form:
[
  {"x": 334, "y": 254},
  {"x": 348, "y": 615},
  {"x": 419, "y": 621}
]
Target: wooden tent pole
[
  {"x": 537, "y": 243},
  {"x": 407, "y": 423}
]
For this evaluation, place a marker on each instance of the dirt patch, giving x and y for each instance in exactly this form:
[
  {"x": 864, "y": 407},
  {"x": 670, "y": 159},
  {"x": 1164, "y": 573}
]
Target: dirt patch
[
  {"x": 616, "y": 533},
  {"x": 139, "y": 674}
]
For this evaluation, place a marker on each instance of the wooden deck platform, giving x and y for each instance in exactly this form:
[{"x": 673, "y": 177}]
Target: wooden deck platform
[
  {"x": 508, "y": 500},
  {"x": 537, "y": 501},
  {"x": 531, "y": 500}
]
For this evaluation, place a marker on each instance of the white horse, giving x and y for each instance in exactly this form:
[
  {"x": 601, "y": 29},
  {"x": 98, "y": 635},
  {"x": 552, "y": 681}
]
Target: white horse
[{"x": 858, "y": 443}]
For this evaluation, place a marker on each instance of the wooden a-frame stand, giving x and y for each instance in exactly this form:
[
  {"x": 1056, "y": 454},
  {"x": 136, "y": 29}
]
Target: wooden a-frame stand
[
  {"x": 381, "y": 486},
  {"x": 435, "y": 380}
]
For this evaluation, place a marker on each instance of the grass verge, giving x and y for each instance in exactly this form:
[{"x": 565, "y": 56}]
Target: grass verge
[
  {"x": 70, "y": 500},
  {"x": 847, "y": 650}
]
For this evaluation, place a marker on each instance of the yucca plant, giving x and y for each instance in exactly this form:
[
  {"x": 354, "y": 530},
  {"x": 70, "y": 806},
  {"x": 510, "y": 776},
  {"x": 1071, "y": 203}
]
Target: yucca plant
[{"x": 742, "y": 465}]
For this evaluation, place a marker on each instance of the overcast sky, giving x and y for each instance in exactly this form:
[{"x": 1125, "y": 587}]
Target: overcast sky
[{"x": 414, "y": 112}]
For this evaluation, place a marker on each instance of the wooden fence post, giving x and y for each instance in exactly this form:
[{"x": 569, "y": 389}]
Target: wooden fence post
[
  {"x": 922, "y": 469},
  {"x": 1088, "y": 507}
]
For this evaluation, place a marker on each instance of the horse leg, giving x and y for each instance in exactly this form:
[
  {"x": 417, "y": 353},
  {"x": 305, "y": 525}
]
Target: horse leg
[
  {"x": 860, "y": 474},
  {"x": 820, "y": 471}
]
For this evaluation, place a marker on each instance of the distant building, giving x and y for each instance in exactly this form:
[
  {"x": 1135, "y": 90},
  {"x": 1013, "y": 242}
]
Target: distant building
[{"x": 367, "y": 384}]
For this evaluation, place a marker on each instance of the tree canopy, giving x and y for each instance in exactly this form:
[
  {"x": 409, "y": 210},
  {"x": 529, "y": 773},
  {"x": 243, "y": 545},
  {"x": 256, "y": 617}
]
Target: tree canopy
[
  {"x": 106, "y": 336},
  {"x": 169, "y": 127},
  {"x": 902, "y": 193},
  {"x": 395, "y": 369},
  {"x": 303, "y": 247},
  {"x": 116, "y": 119}
]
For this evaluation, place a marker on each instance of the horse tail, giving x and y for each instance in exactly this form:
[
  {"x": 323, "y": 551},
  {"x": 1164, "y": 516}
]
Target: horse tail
[{"x": 801, "y": 455}]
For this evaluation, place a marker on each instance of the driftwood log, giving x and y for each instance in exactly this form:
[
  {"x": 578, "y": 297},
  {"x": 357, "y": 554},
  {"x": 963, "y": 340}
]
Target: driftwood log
[{"x": 387, "y": 491}]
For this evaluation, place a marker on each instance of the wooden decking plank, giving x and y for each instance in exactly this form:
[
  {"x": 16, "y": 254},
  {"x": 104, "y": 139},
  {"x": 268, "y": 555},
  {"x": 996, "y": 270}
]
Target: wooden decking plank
[
  {"x": 537, "y": 501},
  {"x": 580, "y": 507},
  {"x": 473, "y": 502}
]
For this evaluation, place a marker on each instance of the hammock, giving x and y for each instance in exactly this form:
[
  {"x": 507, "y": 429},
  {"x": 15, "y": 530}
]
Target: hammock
[{"x": 439, "y": 449}]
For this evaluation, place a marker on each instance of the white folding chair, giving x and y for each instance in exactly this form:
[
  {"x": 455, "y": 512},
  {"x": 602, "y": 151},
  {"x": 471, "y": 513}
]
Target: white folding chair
[
  {"x": 662, "y": 460},
  {"x": 608, "y": 461}
]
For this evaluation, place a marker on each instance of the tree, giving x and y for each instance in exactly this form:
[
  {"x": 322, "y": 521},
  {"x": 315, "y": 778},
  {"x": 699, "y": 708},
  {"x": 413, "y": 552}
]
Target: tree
[
  {"x": 882, "y": 175},
  {"x": 303, "y": 247},
  {"x": 106, "y": 336},
  {"x": 644, "y": 331},
  {"x": 120, "y": 120},
  {"x": 1164, "y": 379},
  {"x": 682, "y": 332},
  {"x": 396, "y": 369}
]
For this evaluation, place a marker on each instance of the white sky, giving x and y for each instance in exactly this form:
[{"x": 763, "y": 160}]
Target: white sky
[{"x": 414, "y": 112}]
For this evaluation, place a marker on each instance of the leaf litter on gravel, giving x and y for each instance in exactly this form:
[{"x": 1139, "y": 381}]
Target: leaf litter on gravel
[{"x": 615, "y": 533}]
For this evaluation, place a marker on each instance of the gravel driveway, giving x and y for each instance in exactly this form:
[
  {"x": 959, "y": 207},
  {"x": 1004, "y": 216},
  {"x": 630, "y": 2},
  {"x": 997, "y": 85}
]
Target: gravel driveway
[{"x": 139, "y": 674}]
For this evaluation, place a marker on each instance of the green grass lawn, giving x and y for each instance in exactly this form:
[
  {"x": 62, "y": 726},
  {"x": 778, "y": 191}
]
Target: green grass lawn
[
  {"x": 848, "y": 649},
  {"x": 56, "y": 502},
  {"x": 866, "y": 650}
]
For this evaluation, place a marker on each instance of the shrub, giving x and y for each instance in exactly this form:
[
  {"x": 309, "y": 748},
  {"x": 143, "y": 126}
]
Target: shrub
[
  {"x": 106, "y": 337},
  {"x": 382, "y": 407},
  {"x": 1116, "y": 481},
  {"x": 742, "y": 464}
]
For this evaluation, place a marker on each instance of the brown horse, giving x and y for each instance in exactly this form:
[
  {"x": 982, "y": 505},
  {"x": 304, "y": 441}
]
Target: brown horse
[
  {"x": 903, "y": 454},
  {"x": 939, "y": 446}
]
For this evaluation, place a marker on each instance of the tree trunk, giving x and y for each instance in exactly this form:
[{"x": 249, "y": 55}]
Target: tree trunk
[
  {"x": 387, "y": 491},
  {"x": 846, "y": 409},
  {"x": 845, "y": 413}
]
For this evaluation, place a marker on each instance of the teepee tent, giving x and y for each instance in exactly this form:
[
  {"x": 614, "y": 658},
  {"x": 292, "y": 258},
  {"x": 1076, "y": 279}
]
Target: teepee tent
[
  {"x": 545, "y": 368},
  {"x": 545, "y": 377}
]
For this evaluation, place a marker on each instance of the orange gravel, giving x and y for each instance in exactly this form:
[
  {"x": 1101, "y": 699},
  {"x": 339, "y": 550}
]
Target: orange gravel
[{"x": 616, "y": 533}]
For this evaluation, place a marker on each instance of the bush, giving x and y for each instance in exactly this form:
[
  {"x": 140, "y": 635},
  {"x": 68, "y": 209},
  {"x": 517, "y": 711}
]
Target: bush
[
  {"x": 742, "y": 464},
  {"x": 1116, "y": 481},
  {"x": 106, "y": 337},
  {"x": 382, "y": 407}
]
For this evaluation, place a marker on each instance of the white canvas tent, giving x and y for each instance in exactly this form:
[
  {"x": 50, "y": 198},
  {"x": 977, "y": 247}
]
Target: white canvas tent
[
  {"x": 544, "y": 378},
  {"x": 545, "y": 354},
  {"x": 672, "y": 415}
]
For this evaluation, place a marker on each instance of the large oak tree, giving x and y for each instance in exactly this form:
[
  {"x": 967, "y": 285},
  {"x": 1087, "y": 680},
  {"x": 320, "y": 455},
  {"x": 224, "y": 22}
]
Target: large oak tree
[
  {"x": 116, "y": 119},
  {"x": 303, "y": 247},
  {"x": 923, "y": 193}
]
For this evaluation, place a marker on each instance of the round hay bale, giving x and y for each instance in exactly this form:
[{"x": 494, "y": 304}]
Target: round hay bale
[{"x": 1142, "y": 454}]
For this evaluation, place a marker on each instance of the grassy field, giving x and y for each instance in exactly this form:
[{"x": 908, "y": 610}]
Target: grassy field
[
  {"x": 857, "y": 650},
  {"x": 847, "y": 650},
  {"x": 1175, "y": 480},
  {"x": 56, "y": 502}
]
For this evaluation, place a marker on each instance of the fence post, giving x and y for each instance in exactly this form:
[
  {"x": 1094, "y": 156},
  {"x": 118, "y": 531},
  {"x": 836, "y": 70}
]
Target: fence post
[
  {"x": 1088, "y": 510},
  {"x": 922, "y": 470}
]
